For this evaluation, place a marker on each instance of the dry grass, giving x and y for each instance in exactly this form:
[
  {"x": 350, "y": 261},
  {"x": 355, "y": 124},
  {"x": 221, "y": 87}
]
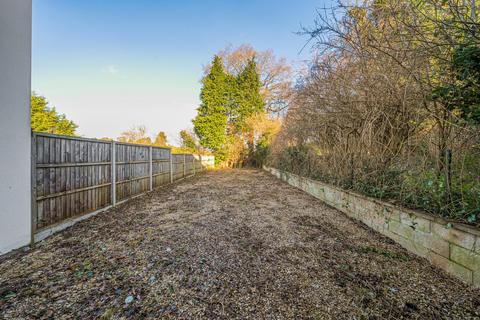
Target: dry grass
[{"x": 227, "y": 244}]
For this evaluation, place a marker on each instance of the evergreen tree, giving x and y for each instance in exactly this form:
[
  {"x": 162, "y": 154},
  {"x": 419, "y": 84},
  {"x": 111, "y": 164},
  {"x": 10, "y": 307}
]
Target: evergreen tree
[
  {"x": 248, "y": 98},
  {"x": 227, "y": 101},
  {"x": 46, "y": 119},
  {"x": 211, "y": 120}
]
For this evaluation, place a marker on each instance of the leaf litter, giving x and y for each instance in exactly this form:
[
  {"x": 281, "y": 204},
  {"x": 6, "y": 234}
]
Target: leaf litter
[{"x": 227, "y": 244}]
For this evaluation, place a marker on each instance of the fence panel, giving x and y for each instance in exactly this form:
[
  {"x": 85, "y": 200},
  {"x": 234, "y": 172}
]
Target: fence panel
[
  {"x": 189, "y": 165},
  {"x": 198, "y": 163},
  {"x": 178, "y": 166},
  {"x": 160, "y": 166},
  {"x": 132, "y": 170},
  {"x": 72, "y": 177}
]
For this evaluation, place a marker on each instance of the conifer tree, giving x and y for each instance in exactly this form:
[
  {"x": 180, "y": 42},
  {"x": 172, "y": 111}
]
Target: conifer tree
[
  {"x": 227, "y": 101},
  {"x": 211, "y": 120},
  {"x": 248, "y": 98}
]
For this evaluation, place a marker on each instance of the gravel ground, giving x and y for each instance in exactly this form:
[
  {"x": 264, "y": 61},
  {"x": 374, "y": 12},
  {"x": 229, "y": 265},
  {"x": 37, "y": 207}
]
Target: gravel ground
[{"x": 224, "y": 245}]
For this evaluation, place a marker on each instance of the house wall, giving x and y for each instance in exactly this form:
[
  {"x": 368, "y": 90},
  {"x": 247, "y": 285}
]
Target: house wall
[{"x": 15, "y": 66}]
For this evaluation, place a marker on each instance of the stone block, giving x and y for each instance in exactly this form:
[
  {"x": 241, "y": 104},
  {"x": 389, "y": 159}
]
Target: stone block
[
  {"x": 415, "y": 222},
  {"x": 408, "y": 244},
  {"x": 467, "y": 258},
  {"x": 391, "y": 213},
  {"x": 401, "y": 229},
  {"x": 476, "y": 279},
  {"x": 433, "y": 242},
  {"x": 455, "y": 236},
  {"x": 452, "y": 267}
]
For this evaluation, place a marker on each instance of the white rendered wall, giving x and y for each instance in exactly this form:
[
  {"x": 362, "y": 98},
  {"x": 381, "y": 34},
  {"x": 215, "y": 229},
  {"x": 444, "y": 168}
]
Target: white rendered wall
[{"x": 15, "y": 69}]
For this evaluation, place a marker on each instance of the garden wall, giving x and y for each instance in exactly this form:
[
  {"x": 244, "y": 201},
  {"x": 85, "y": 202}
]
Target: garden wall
[{"x": 454, "y": 247}]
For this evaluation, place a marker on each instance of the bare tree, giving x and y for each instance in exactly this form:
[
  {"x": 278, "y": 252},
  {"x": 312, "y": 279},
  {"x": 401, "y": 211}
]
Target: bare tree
[
  {"x": 369, "y": 115},
  {"x": 137, "y": 134}
]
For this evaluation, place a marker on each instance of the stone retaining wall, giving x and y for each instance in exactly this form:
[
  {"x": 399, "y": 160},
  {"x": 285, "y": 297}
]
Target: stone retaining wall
[{"x": 454, "y": 247}]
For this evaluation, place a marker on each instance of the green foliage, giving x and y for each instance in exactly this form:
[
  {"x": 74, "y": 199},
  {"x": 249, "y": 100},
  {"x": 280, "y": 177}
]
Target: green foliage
[
  {"x": 416, "y": 188},
  {"x": 259, "y": 154},
  {"x": 227, "y": 101},
  {"x": 211, "y": 120},
  {"x": 462, "y": 93},
  {"x": 46, "y": 119},
  {"x": 427, "y": 189},
  {"x": 248, "y": 98},
  {"x": 188, "y": 140}
]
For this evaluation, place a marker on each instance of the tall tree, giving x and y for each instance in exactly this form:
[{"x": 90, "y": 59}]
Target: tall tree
[
  {"x": 211, "y": 121},
  {"x": 46, "y": 119},
  {"x": 249, "y": 99},
  {"x": 188, "y": 140},
  {"x": 228, "y": 99},
  {"x": 161, "y": 139}
]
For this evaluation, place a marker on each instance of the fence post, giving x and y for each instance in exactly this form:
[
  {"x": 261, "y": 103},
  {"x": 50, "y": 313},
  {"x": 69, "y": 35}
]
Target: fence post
[
  {"x": 114, "y": 173},
  {"x": 33, "y": 212},
  {"x": 194, "y": 164},
  {"x": 171, "y": 166},
  {"x": 150, "y": 171},
  {"x": 184, "y": 166}
]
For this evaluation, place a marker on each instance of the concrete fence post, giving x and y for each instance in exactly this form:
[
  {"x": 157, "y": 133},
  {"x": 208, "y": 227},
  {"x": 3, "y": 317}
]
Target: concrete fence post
[
  {"x": 184, "y": 165},
  {"x": 150, "y": 166},
  {"x": 194, "y": 165},
  {"x": 113, "y": 173},
  {"x": 171, "y": 166}
]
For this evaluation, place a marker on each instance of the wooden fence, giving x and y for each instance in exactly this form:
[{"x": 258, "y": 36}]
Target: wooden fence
[{"x": 72, "y": 177}]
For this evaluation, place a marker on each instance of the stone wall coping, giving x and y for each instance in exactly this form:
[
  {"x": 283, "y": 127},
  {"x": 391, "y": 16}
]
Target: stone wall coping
[{"x": 420, "y": 214}]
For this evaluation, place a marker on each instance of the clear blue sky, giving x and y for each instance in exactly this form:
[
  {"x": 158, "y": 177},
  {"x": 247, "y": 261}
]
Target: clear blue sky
[{"x": 112, "y": 64}]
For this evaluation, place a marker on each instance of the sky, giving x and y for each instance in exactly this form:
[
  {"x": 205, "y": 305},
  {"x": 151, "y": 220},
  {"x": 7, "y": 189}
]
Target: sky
[{"x": 113, "y": 64}]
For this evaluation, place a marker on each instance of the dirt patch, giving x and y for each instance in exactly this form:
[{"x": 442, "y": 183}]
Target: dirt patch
[{"x": 227, "y": 244}]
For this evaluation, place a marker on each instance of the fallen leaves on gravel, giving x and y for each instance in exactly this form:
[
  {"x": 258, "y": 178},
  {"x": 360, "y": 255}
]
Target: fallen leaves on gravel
[{"x": 223, "y": 245}]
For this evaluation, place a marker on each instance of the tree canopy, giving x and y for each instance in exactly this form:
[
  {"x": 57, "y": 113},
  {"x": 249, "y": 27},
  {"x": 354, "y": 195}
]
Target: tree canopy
[
  {"x": 44, "y": 118},
  {"x": 160, "y": 139},
  {"x": 188, "y": 140},
  {"x": 210, "y": 124},
  {"x": 275, "y": 74},
  {"x": 229, "y": 100}
]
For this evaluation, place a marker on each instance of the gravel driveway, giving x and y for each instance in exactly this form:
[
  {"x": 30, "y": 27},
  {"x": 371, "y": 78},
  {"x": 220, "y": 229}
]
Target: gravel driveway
[{"x": 224, "y": 245}]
